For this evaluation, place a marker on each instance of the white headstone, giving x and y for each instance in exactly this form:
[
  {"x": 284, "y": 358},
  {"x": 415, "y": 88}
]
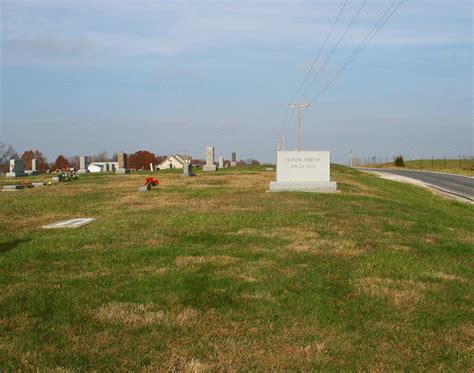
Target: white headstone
[
  {"x": 303, "y": 171},
  {"x": 34, "y": 165},
  {"x": 221, "y": 162}
]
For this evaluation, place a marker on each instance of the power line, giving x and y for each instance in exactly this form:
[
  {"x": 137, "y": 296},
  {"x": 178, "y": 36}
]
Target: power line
[
  {"x": 334, "y": 49},
  {"x": 361, "y": 46},
  {"x": 319, "y": 53}
]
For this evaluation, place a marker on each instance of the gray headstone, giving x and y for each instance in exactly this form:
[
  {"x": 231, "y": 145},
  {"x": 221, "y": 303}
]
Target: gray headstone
[
  {"x": 34, "y": 165},
  {"x": 221, "y": 162},
  {"x": 143, "y": 189},
  {"x": 122, "y": 159},
  {"x": 233, "y": 161},
  {"x": 83, "y": 164},
  {"x": 55, "y": 179},
  {"x": 188, "y": 169}
]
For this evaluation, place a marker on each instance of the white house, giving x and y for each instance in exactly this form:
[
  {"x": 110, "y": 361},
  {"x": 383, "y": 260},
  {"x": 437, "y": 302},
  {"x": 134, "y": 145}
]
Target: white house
[
  {"x": 102, "y": 166},
  {"x": 174, "y": 161}
]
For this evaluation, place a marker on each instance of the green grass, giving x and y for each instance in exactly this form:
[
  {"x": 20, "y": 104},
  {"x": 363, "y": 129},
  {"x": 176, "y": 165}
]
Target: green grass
[
  {"x": 213, "y": 272},
  {"x": 452, "y": 166}
]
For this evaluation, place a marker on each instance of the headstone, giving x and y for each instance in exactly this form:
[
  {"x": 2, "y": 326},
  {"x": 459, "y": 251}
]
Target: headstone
[
  {"x": 34, "y": 165},
  {"x": 83, "y": 164},
  {"x": 233, "y": 161},
  {"x": 55, "y": 179},
  {"x": 187, "y": 170},
  {"x": 143, "y": 188},
  {"x": 221, "y": 162},
  {"x": 71, "y": 223},
  {"x": 122, "y": 163},
  {"x": 151, "y": 167},
  {"x": 13, "y": 187},
  {"x": 209, "y": 166},
  {"x": 38, "y": 184},
  {"x": 306, "y": 171},
  {"x": 17, "y": 168}
]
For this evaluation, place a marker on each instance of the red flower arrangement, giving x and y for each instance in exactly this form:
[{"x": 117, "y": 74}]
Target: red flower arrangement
[{"x": 151, "y": 182}]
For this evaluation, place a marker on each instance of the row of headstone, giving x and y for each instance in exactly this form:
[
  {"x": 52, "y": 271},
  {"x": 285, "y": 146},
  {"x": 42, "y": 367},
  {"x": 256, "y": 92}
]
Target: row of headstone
[
  {"x": 210, "y": 165},
  {"x": 17, "y": 168}
]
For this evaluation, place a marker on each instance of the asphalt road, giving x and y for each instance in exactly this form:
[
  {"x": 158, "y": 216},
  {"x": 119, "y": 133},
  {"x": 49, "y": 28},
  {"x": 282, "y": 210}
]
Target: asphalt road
[{"x": 456, "y": 184}]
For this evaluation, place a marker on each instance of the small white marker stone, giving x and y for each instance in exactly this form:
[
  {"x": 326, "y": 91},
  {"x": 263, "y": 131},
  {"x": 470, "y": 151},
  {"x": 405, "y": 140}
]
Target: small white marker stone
[{"x": 71, "y": 223}]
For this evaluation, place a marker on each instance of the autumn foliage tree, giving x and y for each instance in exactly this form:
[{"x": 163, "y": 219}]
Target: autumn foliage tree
[
  {"x": 61, "y": 163},
  {"x": 41, "y": 162},
  {"x": 141, "y": 160}
]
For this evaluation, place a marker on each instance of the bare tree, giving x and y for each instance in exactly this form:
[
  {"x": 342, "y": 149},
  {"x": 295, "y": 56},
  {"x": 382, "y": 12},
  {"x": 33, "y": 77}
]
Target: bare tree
[
  {"x": 6, "y": 153},
  {"x": 101, "y": 156}
]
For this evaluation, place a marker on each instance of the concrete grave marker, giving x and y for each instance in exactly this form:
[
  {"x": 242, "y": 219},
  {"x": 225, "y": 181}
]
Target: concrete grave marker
[
  {"x": 71, "y": 223},
  {"x": 187, "y": 170},
  {"x": 83, "y": 164},
  {"x": 209, "y": 166},
  {"x": 233, "y": 161},
  {"x": 221, "y": 162},
  {"x": 307, "y": 171},
  {"x": 122, "y": 159},
  {"x": 13, "y": 187}
]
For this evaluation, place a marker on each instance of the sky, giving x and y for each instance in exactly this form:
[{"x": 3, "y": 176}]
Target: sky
[{"x": 78, "y": 77}]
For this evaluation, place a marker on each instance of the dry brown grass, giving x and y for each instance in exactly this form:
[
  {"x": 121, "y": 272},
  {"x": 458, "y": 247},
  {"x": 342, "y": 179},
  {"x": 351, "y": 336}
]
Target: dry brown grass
[
  {"x": 190, "y": 261},
  {"x": 137, "y": 315},
  {"x": 399, "y": 293}
]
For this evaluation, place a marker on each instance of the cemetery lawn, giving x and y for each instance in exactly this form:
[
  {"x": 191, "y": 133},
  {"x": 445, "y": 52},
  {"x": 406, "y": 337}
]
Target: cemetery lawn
[{"x": 215, "y": 273}]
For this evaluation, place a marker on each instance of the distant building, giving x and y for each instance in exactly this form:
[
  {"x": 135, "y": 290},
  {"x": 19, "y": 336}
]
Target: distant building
[
  {"x": 102, "y": 166},
  {"x": 174, "y": 161}
]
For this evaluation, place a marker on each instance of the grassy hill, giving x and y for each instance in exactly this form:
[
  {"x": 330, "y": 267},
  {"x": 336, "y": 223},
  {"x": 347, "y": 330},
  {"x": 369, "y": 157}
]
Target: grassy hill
[{"x": 213, "y": 272}]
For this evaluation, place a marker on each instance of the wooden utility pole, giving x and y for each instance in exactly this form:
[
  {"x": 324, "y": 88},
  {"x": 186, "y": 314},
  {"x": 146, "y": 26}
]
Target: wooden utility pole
[{"x": 298, "y": 108}]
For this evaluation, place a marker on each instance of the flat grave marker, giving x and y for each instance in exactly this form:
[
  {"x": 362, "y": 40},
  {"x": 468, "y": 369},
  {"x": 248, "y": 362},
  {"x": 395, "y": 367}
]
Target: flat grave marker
[{"x": 71, "y": 223}]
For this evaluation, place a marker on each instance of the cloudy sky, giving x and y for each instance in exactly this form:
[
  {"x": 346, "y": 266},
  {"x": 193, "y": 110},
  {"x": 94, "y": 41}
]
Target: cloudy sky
[{"x": 78, "y": 77}]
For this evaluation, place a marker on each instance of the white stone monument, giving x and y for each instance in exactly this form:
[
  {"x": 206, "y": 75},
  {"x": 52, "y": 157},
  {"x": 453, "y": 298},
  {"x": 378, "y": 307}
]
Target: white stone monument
[
  {"x": 306, "y": 171},
  {"x": 221, "y": 162},
  {"x": 209, "y": 166},
  {"x": 17, "y": 168},
  {"x": 83, "y": 165}
]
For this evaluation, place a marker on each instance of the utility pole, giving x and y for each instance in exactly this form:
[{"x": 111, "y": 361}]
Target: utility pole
[
  {"x": 298, "y": 108},
  {"x": 281, "y": 142}
]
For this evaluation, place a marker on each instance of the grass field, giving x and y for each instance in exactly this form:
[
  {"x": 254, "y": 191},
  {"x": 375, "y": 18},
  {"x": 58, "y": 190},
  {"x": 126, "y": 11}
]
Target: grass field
[
  {"x": 451, "y": 166},
  {"x": 215, "y": 273}
]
